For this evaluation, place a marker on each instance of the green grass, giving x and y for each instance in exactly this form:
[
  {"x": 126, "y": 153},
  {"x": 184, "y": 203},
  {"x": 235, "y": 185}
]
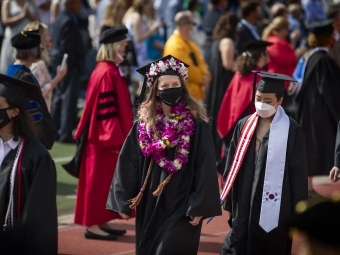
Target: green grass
[{"x": 66, "y": 184}]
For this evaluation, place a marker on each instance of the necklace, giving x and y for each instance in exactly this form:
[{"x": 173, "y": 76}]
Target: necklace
[{"x": 176, "y": 132}]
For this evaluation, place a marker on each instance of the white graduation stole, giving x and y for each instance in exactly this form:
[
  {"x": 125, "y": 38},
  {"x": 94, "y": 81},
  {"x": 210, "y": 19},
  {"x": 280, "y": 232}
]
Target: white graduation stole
[{"x": 275, "y": 167}]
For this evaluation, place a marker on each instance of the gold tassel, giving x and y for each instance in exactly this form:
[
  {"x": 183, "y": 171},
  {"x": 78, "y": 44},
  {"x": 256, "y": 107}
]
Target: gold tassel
[
  {"x": 161, "y": 186},
  {"x": 135, "y": 201}
]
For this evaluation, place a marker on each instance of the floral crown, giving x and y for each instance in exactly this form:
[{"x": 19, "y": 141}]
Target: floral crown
[{"x": 164, "y": 65}]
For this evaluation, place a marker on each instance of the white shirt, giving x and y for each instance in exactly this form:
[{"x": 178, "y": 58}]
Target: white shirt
[{"x": 6, "y": 147}]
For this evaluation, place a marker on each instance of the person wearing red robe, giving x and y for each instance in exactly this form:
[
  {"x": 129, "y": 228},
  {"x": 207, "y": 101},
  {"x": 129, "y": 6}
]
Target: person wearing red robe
[
  {"x": 237, "y": 100},
  {"x": 107, "y": 120}
]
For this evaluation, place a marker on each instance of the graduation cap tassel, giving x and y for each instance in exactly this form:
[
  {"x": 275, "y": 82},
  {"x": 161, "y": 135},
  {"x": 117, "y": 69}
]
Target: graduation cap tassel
[
  {"x": 135, "y": 201},
  {"x": 161, "y": 186}
]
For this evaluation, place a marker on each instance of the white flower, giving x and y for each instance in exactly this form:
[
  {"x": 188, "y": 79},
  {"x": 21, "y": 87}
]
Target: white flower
[
  {"x": 186, "y": 138},
  {"x": 172, "y": 62},
  {"x": 162, "y": 163},
  {"x": 177, "y": 164},
  {"x": 184, "y": 151}
]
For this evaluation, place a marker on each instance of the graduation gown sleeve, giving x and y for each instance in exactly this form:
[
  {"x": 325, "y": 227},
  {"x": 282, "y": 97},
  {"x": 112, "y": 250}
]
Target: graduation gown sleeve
[
  {"x": 39, "y": 215},
  {"x": 204, "y": 200},
  {"x": 298, "y": 168},
  {"x": 125, "y": 183},
  {"x": 337, "y": 148}
]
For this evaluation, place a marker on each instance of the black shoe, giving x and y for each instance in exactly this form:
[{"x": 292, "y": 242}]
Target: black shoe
[
  {"x": 116, "y": 232},
  {"x": 90, "y": 235}
]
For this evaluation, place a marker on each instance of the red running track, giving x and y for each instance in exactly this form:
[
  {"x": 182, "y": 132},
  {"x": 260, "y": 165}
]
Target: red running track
[{"x": 72, "y": 241}]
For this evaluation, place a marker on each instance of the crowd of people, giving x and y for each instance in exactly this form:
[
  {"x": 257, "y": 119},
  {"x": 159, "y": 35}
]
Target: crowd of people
[{"x": 170, "y": 93}]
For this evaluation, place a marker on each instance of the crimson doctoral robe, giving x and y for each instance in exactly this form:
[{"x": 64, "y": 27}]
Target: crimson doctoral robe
[{"x": 108, "y": 115}]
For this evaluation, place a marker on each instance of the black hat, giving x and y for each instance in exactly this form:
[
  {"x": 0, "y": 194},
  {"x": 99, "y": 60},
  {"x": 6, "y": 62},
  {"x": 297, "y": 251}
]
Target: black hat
[
  {"x": 319, "y": 218},
  {"x": 168, "y": 65},
  {"x": 255, "y": 45},
  {"x": 19, "y": 91},
  {"x": 26, "y": 40},
  {"x": 113, "y": 35},
  {"x": 321, "y": 27},
  {"x": 272, "y": 82}
]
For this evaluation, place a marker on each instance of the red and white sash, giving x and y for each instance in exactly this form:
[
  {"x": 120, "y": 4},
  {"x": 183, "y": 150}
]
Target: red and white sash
[{"x": 241, "y": 149}]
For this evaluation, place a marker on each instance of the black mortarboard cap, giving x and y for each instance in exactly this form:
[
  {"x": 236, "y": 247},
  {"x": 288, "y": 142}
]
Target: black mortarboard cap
[
  {"x": 144, "y": 70},
  {"x": 26, "y": 40},
  {"x": 255, "y": 45},
  {"x": 113, "y": 35},
  {"x": 272, "y": 82},
  {"x": 321, "y": 27},
  {"x": 320, "y": 219},
  {"x": 19, "y": 91}
]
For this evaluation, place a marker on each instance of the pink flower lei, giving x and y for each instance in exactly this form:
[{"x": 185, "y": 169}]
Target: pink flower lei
[{"x": 177, "y": 132}]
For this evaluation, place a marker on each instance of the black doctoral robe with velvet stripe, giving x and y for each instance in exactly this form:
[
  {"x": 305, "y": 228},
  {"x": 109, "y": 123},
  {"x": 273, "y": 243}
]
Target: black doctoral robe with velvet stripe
[
  {"x": 318, "y": 111},
  {"x": 36, "y": 231},
  {"x": 162, "y": 223},
  {"x": 247, "y": 237}
]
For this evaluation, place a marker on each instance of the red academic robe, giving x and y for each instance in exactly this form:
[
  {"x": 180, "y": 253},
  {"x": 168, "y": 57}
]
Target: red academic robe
[
  {"x": 237, "y": 102},
  {"x": 282, "y": 57},
  {"x": 109, "y": 113}
]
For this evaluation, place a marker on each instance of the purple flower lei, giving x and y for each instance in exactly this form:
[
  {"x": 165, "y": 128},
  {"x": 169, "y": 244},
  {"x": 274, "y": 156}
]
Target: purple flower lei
[{"x": 177, "y": 132}]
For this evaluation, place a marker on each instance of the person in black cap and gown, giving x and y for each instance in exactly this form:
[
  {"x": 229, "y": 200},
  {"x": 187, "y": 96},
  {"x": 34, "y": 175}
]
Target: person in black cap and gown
[
  {"x": 317, "y": 224},
  {"x": 104, "y": 125},
  {"x": 27, "y": 51},
  {"x": 265, "y": 175},
  {"x": 166, "y": 168},
  {"x": 318, "y": 104},
  {"x": 28, "y": 211}
]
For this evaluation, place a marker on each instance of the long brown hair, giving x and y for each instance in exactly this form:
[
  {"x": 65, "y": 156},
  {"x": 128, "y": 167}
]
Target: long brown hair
[
  {"x": 148, "y": 108},
  {"x": 226, "y": 27},
  {"x": 110, "y": 12}
]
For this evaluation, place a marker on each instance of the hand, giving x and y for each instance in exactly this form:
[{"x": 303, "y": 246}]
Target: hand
[
  {"x": 25, "y": 9},
  {"x": 206, "y": 82},
  {"x": 124, "y": 216},
  {"x": 334, "y": 174},
  {"x": 156, "y": 25},
  {"x": 295, "y": 36},
  {"x": 61, "y": 72},
  {"x": 196, "y": 220}
]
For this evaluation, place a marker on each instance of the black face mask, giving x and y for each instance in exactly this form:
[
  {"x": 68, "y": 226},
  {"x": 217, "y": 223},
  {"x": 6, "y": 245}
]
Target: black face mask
[
  {"x": 4, "y": 119},
  {"x": 170, "y": 96}
]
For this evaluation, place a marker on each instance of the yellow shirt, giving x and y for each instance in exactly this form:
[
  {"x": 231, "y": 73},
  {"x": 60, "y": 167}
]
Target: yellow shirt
[{"x": 180, "y": 48}]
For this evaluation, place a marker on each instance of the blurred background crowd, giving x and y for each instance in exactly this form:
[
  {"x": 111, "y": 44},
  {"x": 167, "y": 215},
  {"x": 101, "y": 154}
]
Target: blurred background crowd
[{"x": 214, "y": 32}]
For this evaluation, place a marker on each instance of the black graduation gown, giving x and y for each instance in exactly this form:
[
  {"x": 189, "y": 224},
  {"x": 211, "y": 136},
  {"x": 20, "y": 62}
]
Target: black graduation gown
[
  {"x": 244, "y": 201},
  {"x": 318, "y": 111},
  {"x": 47, "y": 131},
  {"x": 37, "y": 231},
  {"x": 337, "y": 148},
  {"x": 217, "y": 89},
  {"x": 162, "y": 223}
]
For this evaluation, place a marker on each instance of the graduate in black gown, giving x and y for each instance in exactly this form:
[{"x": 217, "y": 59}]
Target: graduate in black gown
[
  {"x": 271, "y": 177},
  {"x": 28, "y": 212},
  {"x": 335, "y": 172},
  {"x": 27, "y": 51},
  {"x": 318, "y": 104},
  {"x": 166, "y": 169}
]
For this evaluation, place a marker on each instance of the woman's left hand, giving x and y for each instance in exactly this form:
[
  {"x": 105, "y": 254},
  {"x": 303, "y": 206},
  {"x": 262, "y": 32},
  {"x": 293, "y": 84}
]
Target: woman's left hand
[{"x": 196, "y": 220}]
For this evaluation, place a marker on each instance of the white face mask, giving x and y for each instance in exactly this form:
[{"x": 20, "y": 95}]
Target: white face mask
[{"x": 264, "y": 110}]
